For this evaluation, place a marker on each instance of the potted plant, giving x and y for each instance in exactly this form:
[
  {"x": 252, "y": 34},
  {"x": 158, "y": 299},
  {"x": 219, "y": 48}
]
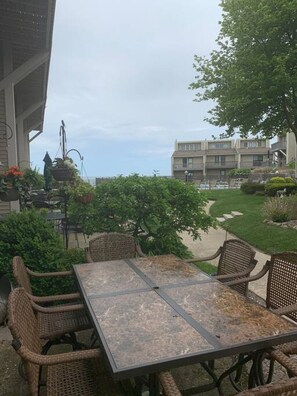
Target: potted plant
[
  {"x": 63, "y": 169},
  {"x": 83, "y": 192},
  {"x": 11, "y": 182}
]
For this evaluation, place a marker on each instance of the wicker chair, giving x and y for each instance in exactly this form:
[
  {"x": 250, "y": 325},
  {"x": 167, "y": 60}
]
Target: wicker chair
[
  {"x": 281, "y": 293},
  {"x": 286, "y": 387},
  {"x": 112, "y": 246},
  {"x": 73, "y": 373},
  {"x": 22, "y": 277},
  {"x": 56, "y": 324},
  {"x": 168, "y": 385},
  {"x": 236, "y": 260}
]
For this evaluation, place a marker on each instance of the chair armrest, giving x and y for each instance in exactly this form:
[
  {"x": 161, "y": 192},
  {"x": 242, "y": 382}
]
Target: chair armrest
[
  {"x": 88, "y": 256},
  {"x": 285, "y": 310},
  {"x": 233, "y": 275},
  {"x": 48, "y": 274},
  {"x": 284, "y": 360},
  {"x": 215, "y": 255},
  {"x": 168, "y": 384},
  {"x": 260, "y": 274},
  {"x": 58, "y": 297},
  {"x": 58, "y": 308},
  {"x": 139, "y": 251},
  {"x": 49, "y": 360}
]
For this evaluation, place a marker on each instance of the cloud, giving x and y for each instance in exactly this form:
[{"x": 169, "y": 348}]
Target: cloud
[{"x": 119, "y": 78}]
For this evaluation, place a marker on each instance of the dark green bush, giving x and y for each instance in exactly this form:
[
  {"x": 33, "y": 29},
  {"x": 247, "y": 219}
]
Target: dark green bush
[
  {"x": 30, "y": 236},
  {"x": 272, "y": 188},
  {"x": 239, "y": 172},
  {"x": 252, "y": 187}
]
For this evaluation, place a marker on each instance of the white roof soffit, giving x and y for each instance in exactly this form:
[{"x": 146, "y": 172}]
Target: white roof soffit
[{"x": 26, "y": 28}]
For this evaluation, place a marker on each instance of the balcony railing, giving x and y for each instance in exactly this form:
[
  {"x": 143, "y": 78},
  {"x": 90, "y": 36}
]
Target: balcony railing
[
  {"x": 279, "y": 146},
  {"x": 221, "y": 165},
  {"x": 192, "y": 167},
  {"x": 255, "y": 163}
]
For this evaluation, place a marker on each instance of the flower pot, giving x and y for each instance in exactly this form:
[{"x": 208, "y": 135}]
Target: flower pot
[
  {"x": 11, "y": 194},
  {"x": 87, "y": 198},
  {"x": 62, "y": 174}
]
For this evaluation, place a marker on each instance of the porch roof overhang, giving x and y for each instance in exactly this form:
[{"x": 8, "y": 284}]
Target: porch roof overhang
[{"x": 26, "y": 28}]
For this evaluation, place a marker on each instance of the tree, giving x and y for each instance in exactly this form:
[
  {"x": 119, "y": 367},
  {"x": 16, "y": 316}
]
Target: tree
[
  {"x": 152, "y": 209},
  {"x": 252, "y": 76}
]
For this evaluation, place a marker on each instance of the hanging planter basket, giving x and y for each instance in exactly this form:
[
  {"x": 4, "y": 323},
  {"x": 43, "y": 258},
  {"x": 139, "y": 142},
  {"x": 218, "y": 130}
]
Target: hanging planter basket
[
  {"x": 11, "y": 194},
  {"x": 86, "y": 199},
  {"x": 62, "y": 174}
]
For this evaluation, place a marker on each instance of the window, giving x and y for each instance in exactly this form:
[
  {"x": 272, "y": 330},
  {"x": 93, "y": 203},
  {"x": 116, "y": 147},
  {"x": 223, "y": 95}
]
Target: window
[
  {"x": 220, "y": 159},
  {"x": 219, "y": 145},
  {"x": 257, "y": 160},
  {"x": 253, "y": 143},
  {"x": 189, "y": 146},
  {"x": 187, "y": 162}
]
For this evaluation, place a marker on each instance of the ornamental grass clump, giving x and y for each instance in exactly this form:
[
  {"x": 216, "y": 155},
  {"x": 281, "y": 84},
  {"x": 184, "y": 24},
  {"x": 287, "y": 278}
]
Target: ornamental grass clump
[{"x": 277, "y": 209}]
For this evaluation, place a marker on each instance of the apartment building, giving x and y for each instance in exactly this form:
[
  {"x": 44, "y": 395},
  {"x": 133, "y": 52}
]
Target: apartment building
[{"x": 212, "y": 159}]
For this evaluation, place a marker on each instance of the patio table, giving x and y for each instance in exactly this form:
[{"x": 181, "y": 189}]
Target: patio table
[{"x": 156, "y": 313}]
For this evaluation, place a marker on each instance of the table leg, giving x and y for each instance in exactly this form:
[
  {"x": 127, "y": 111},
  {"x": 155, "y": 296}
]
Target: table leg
[
  {"x": 154, "y": 389},
  {"x": 257, "y": 374}
]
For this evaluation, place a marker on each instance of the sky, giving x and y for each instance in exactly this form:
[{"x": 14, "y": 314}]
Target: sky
[{"x": 119, "y": 78}]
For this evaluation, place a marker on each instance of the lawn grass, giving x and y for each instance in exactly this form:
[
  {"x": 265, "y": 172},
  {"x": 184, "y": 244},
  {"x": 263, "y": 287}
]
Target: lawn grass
[
  {"x": 208, "y": 268},
  {"x": 250, "y": 227}
]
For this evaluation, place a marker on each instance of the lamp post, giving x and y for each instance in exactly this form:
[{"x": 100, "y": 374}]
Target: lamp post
[{"x": 186, "y": 176}]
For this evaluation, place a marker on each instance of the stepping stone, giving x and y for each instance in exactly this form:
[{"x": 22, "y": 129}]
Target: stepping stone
[
  {"x": 227, "y": 216},
  {"x": 221, "y": 219},
  {"x": 234, "y": 213}
]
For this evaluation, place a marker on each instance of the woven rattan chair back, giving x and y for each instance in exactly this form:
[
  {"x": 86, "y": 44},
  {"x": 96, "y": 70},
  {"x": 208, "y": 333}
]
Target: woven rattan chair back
[
  {"x": 24, "y": 327},
  {"x": 236, "y": 256},
  {"x": 282, "y": 282},
  {"x": 111, "y": 246},
  {"x": 20, "y": 274}
]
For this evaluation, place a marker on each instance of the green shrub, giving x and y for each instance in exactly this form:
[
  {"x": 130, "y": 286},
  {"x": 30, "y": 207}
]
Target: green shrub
[
  {"x": 277, "y": 179},
  {"x": 252, "y": 187},
  {"x": 289, "y": 180},
  {"x": 155, "y": 210},
  {"x": 260, "y": 193},
  {"x": 239, "y": 172},
  {"x": 30, "y": 236},
  {"x": 61, "y": 285},
  {"x": 272, "y": 188}
]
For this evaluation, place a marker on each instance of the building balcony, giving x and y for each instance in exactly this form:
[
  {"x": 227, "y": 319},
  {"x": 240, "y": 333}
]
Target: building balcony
[
  {"x": 253, "y": 164},
  {"x": 189, "y": 168},
  {"x": 281, "y": 145},
  {"x": 221, "y": 165}
]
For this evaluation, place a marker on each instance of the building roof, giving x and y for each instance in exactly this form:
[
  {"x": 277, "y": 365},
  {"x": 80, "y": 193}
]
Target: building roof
[{"x": 27, "y": 25}]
